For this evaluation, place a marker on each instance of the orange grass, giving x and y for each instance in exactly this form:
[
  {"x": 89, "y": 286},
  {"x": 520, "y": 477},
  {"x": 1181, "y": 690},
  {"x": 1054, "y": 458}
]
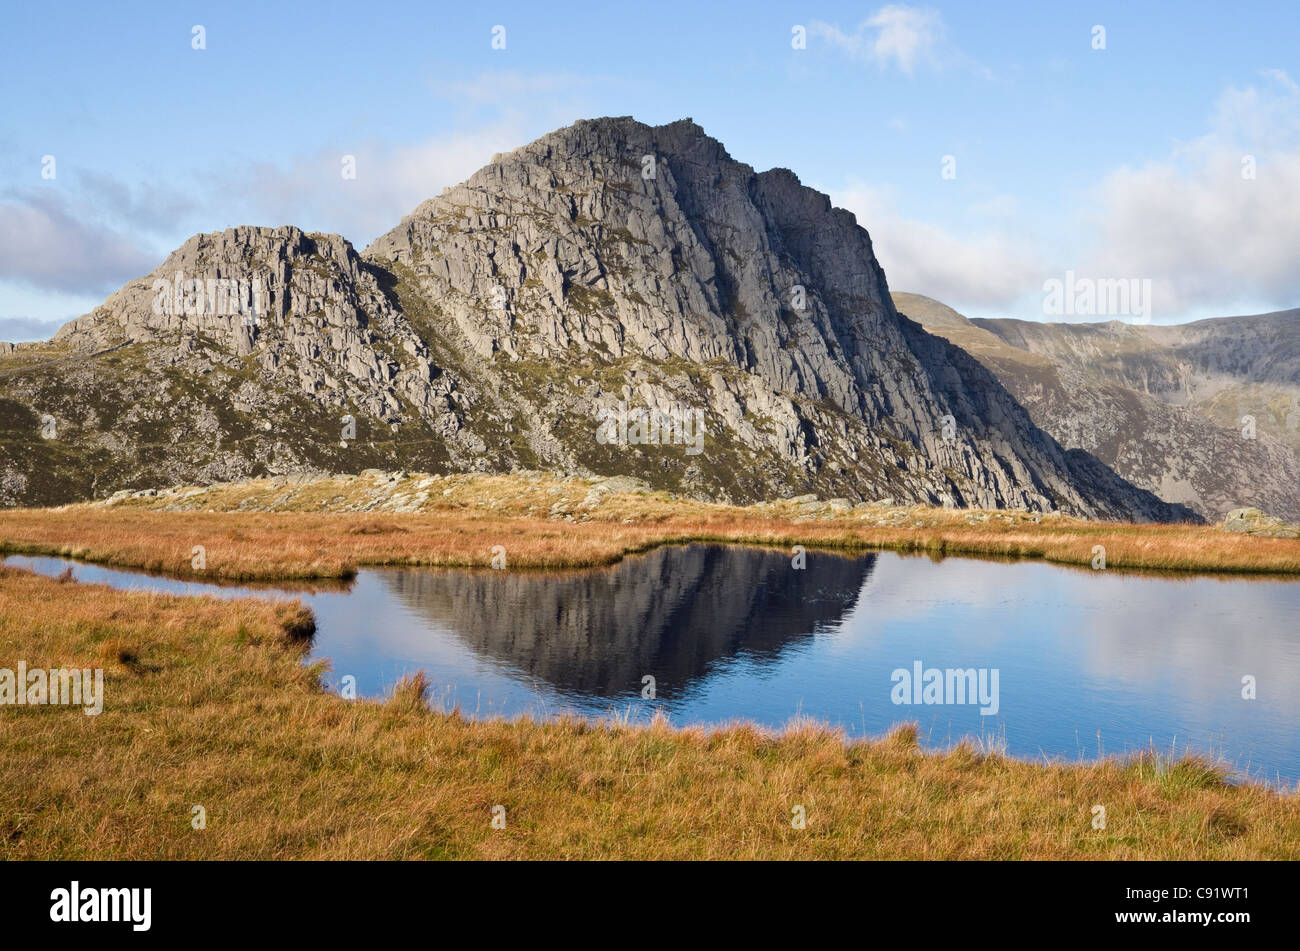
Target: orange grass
[
  {"x": 208, "y": 704},
  {"x": 311, "y": 535}
]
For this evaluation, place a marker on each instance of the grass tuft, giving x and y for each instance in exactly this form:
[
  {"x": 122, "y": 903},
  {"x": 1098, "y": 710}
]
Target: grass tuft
[{"x": 411, "y": 693}]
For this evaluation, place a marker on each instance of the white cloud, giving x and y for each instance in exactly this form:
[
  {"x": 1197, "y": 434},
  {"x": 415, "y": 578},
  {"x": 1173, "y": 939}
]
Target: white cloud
[
  {"x": 1211, "y": 241},
  {"x": 86, "y": 237},
  {"x": 312, "y": 193},
  {"x": 999, "y": 206},
  {"x": 990, "y": 270},
  {"x": 501, "y": 111},
  {"x": 1206, "y": 236},
  {"x": 17, "y": 329},
  {"x": 898, "y": 35}
]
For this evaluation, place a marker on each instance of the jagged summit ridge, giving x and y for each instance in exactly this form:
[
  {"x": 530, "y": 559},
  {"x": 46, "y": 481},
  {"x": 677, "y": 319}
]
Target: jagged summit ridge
[{"x": 615, "y": 241}]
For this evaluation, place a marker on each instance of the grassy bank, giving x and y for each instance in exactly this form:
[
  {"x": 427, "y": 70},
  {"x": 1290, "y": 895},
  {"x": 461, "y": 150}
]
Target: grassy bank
[
  {"x": 208, "y": 704},
  {"x": 327, "y": 528}
]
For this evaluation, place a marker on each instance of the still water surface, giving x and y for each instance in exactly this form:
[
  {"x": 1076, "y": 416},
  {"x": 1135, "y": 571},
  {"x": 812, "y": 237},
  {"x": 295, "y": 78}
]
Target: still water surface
[{"x": 1086, "y": 661}]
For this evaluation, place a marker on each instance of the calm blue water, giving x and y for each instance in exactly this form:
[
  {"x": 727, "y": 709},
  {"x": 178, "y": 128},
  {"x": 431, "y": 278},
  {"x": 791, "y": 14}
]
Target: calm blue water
[{"x": 1086, "y": 661}]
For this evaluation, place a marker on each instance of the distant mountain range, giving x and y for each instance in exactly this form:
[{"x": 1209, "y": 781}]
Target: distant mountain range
[
  {"x": 1205, "y": 413},
  {"x": 543, "y": 313}
]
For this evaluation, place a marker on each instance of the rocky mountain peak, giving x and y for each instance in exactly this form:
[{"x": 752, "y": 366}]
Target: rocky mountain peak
[{"x": 609, "y": 267}]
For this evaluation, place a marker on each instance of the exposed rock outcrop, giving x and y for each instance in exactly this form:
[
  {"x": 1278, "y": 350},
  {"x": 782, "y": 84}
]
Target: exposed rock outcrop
[
  {"x": 1251, "y": 521},
  {"x": 306, "y": 309}
]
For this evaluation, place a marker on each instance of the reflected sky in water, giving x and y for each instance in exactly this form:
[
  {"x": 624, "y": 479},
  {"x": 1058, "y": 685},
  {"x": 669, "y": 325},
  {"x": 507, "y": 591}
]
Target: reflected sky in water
[{"x": 1088, "y": 661}]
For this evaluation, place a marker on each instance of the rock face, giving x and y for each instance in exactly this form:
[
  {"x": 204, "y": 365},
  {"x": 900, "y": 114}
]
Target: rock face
[
  {"x": 304, "y": 307},
  {"x": 1163, "y": 406},
  {"x": 613, "y": 298},
  {"x": 304, "y": 311}
]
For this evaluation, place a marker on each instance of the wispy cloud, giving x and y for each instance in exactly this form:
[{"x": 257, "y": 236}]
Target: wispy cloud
[
  {"x": 1212, "y": 225},
  {"x": 896, "y": 35},
  {"x": 89, "y": 233},
  {"x": 989, "y": 270},
  {"x": 310, "y": 190},
  {"x": 501, "y": 112},
  {"x": 16, "y": 329}
]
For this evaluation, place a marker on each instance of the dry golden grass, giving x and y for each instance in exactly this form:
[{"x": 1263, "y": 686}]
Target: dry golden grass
[
  {"x": 266, "y": 530},
  {"x": 208, "y": 703}
]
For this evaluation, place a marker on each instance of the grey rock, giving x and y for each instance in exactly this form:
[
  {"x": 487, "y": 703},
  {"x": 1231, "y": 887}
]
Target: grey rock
[{"x": 1252, "y": 521}]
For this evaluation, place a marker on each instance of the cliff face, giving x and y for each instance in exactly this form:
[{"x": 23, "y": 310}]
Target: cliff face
[
  {"x": 1163, "y": 406},
  {"x": 303, "y": 309},
  {"x": 609, "y": 271},
  {"x": 241, "y": 354}
]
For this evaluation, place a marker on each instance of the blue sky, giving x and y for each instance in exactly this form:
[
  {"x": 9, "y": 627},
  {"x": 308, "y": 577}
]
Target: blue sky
[{"x": 1123, "y": 162}]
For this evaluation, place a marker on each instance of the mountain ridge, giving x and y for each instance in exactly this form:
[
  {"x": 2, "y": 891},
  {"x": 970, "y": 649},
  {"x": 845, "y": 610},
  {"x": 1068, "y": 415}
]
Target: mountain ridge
[
  {"x": 607, "y": 263},
  {"x": 1137, "y": 398}
]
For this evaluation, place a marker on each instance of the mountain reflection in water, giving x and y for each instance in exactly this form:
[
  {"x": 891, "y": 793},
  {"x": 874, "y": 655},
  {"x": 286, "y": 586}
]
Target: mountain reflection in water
[
  {"x": 673, "y": 613},
  {"x": 1089, "y": 662}
]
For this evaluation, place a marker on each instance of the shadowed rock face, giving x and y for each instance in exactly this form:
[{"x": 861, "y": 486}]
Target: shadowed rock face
[
  {"x": 606, "y": 263},
  {"x": 674, "y": 613},
  {"x": 1163, "y": 406}
]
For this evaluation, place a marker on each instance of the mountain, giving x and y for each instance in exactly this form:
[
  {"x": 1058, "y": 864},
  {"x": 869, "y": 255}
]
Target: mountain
[
  {"x": 1162, "y": 405},
  {"x": 523, "y": 319},
  {"x": 1224, "y": 368}
]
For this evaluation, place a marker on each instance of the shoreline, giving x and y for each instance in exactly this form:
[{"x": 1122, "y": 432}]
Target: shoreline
[
  {"x": 616, "y": 721},
  {"x": 328, "y": 528},
  {"x": 207, "y": 701}
]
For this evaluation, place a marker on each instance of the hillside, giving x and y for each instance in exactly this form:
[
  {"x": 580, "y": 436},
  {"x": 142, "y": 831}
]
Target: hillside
[{"x": 1161, "y": 405}]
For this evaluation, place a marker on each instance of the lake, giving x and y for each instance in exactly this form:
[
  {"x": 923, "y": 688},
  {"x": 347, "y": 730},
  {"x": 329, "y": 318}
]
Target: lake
[{"x": 1034, "y": 659}]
